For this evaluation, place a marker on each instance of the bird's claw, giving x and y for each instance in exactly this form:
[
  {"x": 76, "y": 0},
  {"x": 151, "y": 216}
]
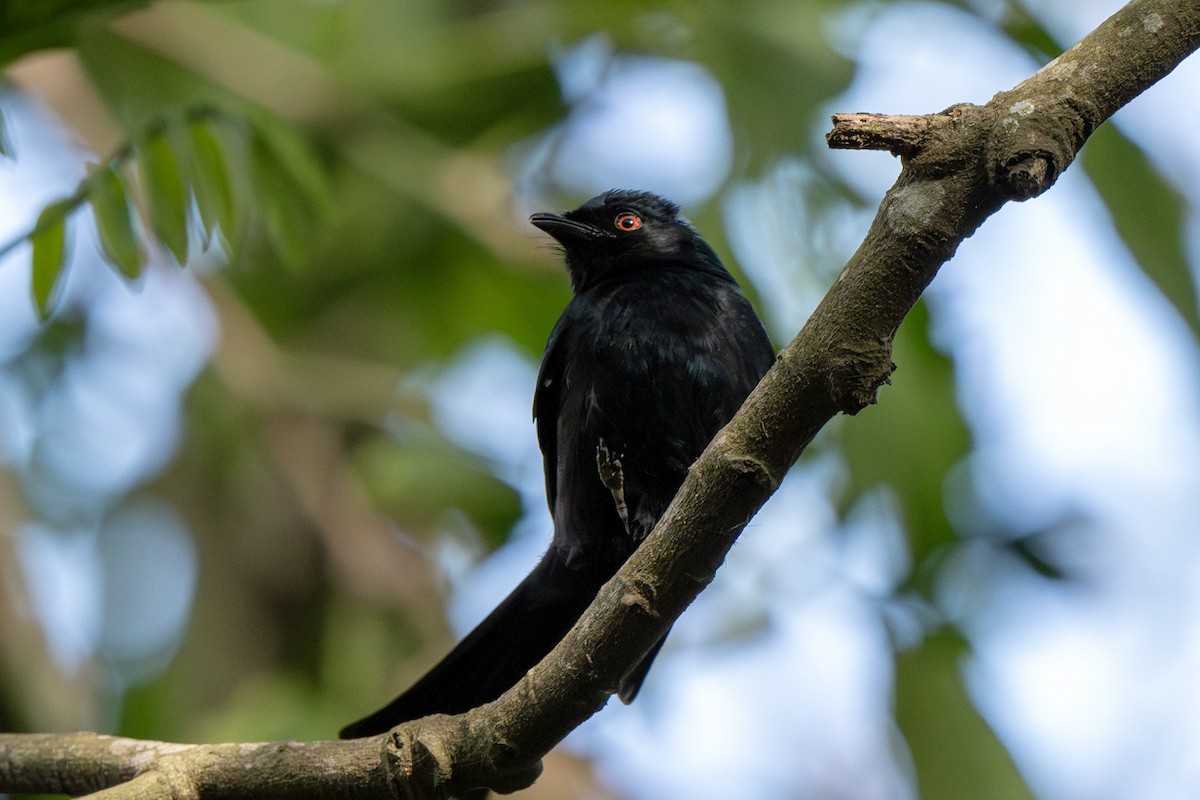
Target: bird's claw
[{"x": 612, "y": 475}]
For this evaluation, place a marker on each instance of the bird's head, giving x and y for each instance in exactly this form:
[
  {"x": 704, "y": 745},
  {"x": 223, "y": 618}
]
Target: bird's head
[{"x": 623, "y": 230}]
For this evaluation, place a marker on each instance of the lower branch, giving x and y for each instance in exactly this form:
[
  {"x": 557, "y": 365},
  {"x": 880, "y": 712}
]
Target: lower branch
[{"x": 119, "y": 768}]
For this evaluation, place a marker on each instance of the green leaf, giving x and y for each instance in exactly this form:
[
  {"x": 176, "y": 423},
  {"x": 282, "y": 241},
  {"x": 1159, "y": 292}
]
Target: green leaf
[
  {"x": 296, "y": 159},
  {"x": 31, "y": 25},
  {"x": 113, "y": 222},
  {"x": 1026, "y": 30},
  {"x": 210, "y": 180},
  {"x": 1148, "y": 214},
  {"x": 165, "y": 193},
  {"x": 286, "y": 215},
  {"x": 954, "y": 751},
  {"x": 49, "y": 240}
]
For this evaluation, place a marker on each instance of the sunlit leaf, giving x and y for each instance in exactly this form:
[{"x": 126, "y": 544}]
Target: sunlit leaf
[
  {"x": 211, "y": 180},
  {"x": 113, "y": 222},
  {"x": 165, "y": 194},
  {"x": 49, "y": 241}
]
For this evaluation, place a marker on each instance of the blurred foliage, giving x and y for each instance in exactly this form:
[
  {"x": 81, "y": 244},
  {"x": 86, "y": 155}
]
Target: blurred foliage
[
  {"x": 349, "y": 161},
  {"x": 32, "y": 25},
  {"x": 953, "y": 751},
  {"x": 916, "y": 423},
  {"x": 1148, "y": 214}
]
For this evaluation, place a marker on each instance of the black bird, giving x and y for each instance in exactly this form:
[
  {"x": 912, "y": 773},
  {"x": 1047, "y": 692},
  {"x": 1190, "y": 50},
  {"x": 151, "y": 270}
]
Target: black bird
[{"x": 653, "y": 355}]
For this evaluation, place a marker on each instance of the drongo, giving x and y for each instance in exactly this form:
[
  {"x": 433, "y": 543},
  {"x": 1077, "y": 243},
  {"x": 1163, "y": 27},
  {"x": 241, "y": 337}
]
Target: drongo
[{"x": 652, "y": 356}]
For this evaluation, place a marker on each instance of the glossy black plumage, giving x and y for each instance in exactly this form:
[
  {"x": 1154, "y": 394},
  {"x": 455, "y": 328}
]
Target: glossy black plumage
[{"x": 654, "y": 353}]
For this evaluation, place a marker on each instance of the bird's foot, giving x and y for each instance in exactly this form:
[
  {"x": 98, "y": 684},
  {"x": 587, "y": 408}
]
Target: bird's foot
[{"x": 612, "y": 475}]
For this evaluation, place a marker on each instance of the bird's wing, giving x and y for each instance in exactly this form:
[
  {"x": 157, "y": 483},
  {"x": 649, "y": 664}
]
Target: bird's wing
[
  {"x": 547, "y": 401},
  {"x": 699, "y": 376}
]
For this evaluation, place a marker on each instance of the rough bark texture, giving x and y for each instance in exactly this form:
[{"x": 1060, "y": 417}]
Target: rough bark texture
[
  {"x": 118, "y": 767},
  {"x": 959, "y": 167}
]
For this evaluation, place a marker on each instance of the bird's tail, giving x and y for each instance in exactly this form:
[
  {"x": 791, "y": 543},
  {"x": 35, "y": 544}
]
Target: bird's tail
[{"x": 499, "y": 651}]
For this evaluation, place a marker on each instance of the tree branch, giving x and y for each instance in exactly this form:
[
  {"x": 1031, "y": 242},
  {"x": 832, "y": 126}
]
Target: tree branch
[
  {"x": 118, "y": 768},
  {"x": 900, "y": 134},
  {"x": 959, "y": 167}
]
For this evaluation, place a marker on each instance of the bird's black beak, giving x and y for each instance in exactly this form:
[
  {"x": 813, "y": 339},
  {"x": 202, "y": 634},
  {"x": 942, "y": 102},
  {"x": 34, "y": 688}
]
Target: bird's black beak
[{"x": 567, "y": 231}]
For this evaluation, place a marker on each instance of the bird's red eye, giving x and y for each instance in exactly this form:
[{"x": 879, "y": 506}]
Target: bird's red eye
[{"x": 628, "y": 221}]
